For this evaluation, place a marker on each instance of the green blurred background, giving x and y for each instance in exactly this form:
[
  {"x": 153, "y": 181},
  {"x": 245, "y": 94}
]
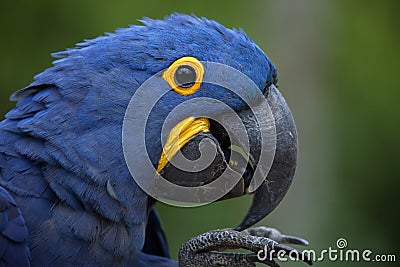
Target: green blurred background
[{"x": 338, "y": 63}]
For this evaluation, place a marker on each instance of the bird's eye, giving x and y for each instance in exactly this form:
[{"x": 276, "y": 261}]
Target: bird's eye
[{"x": 184, "y": 75}]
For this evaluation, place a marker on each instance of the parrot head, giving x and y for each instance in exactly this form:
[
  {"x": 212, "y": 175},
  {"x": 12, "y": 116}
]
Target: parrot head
[{"x": 177, "y": 55}]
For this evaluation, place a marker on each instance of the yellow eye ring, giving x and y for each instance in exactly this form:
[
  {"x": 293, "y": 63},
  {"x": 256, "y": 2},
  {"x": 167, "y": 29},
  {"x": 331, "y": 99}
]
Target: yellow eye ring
[{"x": 185, "y": 75}]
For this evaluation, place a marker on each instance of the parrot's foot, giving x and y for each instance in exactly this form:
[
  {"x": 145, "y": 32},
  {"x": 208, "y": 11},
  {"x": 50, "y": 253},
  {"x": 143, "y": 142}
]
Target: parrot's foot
[{"x": 207, "y": 249}]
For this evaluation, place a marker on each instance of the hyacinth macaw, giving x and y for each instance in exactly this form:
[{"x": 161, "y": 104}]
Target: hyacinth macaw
[{"x": 67, "y": 197}]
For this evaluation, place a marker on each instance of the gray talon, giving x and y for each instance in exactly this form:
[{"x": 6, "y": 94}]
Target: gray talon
[
  {"x": 274, "y": 234},
  {"x": 287, "y": 239}
]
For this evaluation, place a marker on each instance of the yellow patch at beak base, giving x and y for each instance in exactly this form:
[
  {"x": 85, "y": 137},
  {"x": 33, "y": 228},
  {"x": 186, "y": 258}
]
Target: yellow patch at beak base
[{"x": 179, "y": 136}]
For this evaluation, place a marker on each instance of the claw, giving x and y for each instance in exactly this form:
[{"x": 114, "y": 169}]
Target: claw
[
  {"x": 288, "y": 239},
  {"x": 277, "y": 236}
]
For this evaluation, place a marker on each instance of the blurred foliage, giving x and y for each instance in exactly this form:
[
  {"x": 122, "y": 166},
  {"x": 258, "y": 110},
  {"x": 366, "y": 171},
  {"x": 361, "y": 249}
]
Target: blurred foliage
[
  {"x": 365, "y": 65},
  {"x": 338, "y": 63}
]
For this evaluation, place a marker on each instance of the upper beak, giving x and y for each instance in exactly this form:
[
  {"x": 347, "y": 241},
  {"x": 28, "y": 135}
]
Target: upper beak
[
  {"x": 273, "y": 184},
  {"x": 276, "y": 184}
]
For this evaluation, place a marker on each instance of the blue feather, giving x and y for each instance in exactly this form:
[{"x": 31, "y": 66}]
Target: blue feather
[{"x": 14, "y": 250}]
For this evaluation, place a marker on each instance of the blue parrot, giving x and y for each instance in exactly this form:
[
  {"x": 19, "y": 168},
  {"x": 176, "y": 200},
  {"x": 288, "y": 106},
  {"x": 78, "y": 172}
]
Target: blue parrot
[{"x": 67, "y": 197}]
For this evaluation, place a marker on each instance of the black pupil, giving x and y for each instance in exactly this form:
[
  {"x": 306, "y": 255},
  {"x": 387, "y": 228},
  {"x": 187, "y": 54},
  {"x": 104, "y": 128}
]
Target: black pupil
[{"x": 185, "y": 76}]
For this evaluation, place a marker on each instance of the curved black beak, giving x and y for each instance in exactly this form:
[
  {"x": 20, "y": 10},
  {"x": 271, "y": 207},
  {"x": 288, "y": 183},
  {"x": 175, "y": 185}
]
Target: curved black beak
[{"x": 273, "y": 184}]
